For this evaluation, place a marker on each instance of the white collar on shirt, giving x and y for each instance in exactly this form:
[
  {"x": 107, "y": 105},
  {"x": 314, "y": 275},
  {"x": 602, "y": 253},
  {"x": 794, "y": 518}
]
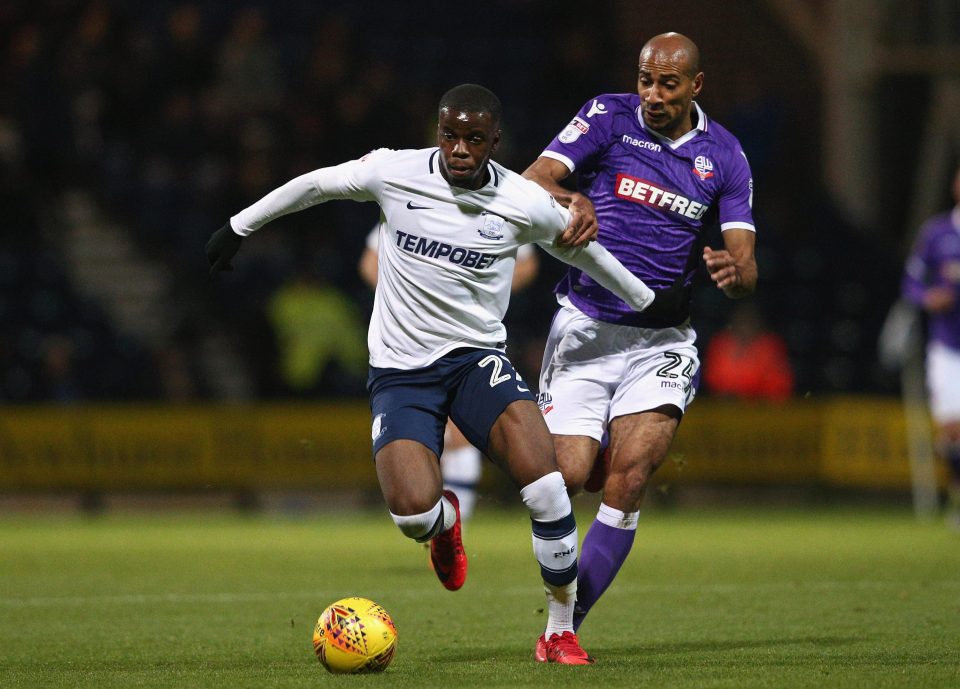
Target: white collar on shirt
[{"x": 701, "y": 126}]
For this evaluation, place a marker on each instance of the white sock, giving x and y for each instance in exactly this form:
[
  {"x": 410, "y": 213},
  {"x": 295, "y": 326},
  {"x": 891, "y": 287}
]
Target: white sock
[
  {"x": 617, "y": 518},
  {"x": 560, "y": 600},
  {"x": 424, "y": 526},
  {"x": 449, "y": 513},
  {"x": 467, "y": 498},
  {"x": 555, "y": 545}
]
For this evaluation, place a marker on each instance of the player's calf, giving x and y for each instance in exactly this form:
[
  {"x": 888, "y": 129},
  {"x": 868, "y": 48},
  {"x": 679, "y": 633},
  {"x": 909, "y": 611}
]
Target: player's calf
[
  {"x": 555, "y": 546},
  {"x": 554, "y": 529}
]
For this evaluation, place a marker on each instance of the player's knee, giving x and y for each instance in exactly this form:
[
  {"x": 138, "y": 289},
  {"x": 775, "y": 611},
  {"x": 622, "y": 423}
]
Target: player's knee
[
  {"x": 547, "y": 498},
  {"x": 630, "y": 479},
  {"x": 422, "y": 526}
]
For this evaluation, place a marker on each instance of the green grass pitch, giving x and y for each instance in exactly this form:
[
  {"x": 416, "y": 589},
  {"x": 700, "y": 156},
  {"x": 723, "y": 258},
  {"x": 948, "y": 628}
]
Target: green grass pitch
[{"x": 741, "y": 598}]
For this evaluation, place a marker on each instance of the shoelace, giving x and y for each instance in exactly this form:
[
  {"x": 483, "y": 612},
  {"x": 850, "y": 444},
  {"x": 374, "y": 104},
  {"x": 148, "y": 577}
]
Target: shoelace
[
  {"x": 446, "y": 547},
  {"x": 567, "y": 644}
]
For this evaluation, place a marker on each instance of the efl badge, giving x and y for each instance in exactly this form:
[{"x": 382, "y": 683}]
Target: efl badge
[
  {"x": 573, "y": 131},
  {"x": 703, "y": 166}
]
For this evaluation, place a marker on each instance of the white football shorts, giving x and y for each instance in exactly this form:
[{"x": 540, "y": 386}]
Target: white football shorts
[
  {"x": 943, "y": 382},
  {"x": 594, "y": 372}
]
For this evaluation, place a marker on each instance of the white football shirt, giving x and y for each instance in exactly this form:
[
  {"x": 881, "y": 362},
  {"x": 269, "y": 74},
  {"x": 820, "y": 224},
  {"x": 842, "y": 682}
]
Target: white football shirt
[{"x": 446, "y": 254}]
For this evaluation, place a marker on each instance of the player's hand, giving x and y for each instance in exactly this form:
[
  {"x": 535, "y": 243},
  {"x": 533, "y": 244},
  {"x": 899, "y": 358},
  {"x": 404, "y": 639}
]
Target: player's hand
[
  {"x": 722, "y": 267},
  {"x": 222, "y": 247},
  {"x": 583, "y": 227},
  {"x": 669, "y": 301}
]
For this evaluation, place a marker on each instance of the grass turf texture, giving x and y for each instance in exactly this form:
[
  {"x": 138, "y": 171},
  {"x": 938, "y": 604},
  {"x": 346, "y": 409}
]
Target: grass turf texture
[{"x": 709, "y": 598}]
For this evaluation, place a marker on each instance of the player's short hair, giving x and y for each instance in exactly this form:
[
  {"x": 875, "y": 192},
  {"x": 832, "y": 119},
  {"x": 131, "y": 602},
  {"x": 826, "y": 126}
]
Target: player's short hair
[{"x": 473, "y": 98}]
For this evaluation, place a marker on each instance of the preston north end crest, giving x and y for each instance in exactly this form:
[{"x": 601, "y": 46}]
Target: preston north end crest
[{"x": 492, "y": 227}]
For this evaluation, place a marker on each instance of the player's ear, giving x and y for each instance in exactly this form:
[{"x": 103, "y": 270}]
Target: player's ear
[
  {"x": 697, "y": 84},
  {"x": 496, "y": 140}
]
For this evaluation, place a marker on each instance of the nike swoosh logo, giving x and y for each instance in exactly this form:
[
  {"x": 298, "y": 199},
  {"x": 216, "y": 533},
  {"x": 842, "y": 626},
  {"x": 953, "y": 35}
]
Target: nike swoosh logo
[
  {"x": 414, "y": 207},
  {"x": 520, "y": 389}
]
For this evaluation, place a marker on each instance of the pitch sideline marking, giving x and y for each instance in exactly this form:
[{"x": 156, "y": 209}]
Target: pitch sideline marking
[{"x": 179, "y": 598}]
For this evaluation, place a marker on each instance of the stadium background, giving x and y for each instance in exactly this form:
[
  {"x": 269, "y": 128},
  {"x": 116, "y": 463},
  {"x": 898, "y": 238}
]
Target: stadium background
[{"x": 129, "y": 132}]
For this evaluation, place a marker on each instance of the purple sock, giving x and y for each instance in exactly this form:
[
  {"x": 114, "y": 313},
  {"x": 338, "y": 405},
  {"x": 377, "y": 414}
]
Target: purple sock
[{"x": 604, "y": 550}]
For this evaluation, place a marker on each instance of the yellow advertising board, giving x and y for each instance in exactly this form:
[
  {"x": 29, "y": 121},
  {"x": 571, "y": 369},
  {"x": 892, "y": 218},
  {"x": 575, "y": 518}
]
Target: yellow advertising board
[
  {"x": 858, "y": 442},
  {"x": 114, "y": 448}
]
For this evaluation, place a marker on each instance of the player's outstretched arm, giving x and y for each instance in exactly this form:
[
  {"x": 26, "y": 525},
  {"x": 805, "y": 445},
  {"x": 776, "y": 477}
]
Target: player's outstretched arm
[
  {"x": 604, "y": 267},
  {"x": 348, "y": 180},
  {"x": 582, "y": 228},
  {"x": 297, "y": 194}
]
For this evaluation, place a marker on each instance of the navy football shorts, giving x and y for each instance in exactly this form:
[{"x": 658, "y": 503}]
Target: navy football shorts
[{"x": 471, "y": 386}]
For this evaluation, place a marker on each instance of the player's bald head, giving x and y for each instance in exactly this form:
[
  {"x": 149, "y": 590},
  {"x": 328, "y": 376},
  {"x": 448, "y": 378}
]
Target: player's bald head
[{"x": 675, "y": 49}]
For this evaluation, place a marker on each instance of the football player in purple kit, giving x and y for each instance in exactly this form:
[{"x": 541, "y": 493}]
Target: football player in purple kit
[
  {"x": 656, "y": 172},
  {"x": 932, "y": 282}
]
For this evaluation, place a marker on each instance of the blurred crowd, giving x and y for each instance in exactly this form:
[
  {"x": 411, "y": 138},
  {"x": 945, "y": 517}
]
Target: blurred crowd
[{"x": 172, "y": 116}]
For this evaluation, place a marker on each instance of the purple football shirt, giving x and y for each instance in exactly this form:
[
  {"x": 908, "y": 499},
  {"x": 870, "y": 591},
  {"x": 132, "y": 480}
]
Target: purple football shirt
[
  {"x": 935, "y": 262},
  {"x": 653, "y": 196}
]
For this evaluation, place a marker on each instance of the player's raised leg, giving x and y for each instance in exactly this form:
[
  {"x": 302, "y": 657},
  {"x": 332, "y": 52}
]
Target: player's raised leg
[
  {"x": 409, "y": 413},
  {"x": 409, "y": 475},
  {"x": 520, "y": 442}
]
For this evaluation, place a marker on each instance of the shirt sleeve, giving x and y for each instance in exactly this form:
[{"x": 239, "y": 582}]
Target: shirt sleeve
[
  {"x": 604, "y": 267},
  {"x": 547, "y": 222},
  {"x": 735, "y": 204},
  {"x": 356, "y": 180},
  {"x": 583, "y": 139}
]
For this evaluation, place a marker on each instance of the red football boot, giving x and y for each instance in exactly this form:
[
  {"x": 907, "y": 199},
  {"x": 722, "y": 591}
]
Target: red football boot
[
  {"x": 540, "y": 652},
  {"x": 563, "y": 649},
  {"x": 447, "y": 557}
]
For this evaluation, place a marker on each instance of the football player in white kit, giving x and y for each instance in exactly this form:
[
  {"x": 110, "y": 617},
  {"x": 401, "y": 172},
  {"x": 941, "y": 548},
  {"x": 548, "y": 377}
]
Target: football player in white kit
[
  {"x": 461, "y": 464},
  {"x": 453, "y": 220}
]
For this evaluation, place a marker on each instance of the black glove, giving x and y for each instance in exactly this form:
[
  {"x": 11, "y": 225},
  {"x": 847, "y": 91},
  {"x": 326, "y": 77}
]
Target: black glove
[
  {"x": 222, "y": 247},
  {"x": 670, "y": 302}
]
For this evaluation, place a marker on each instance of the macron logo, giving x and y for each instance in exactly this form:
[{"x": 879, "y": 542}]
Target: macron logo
[
  {"x": 641, "y": 191},
  {"x": 640, "y": 143},
  {"x": 596, "y": 108}
]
